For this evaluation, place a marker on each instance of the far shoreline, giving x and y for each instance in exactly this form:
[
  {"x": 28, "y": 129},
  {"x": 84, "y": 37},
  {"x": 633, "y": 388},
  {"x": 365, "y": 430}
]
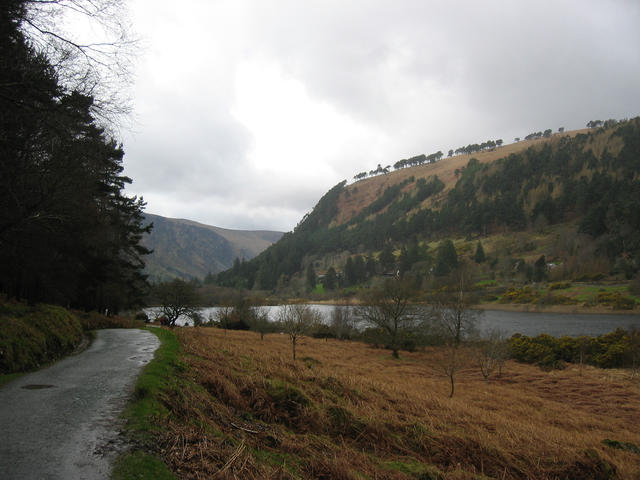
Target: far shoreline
[{"x": 513, "y": 307}]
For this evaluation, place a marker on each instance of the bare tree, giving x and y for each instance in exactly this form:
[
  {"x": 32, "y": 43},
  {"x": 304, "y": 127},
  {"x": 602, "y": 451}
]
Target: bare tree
[
  {"x": 455, "y": 320},
  {"x": 342, "y": 321},
  {"x": 490, "y": 353},
  {"x": 389, "y": 308},
  {"x": 451, "y": 307},
  {"x": 633, "y": 350},
  {"x": 90, "y": 45},
  {"x": 259, "y": 321},
  {"x": 503, "y": 352},
  {"x": 223, "y": 316},
  {"x": 454, "y": 360},
  {"x": 297, "y": 320},
  {"x": 582, "y": 353}
]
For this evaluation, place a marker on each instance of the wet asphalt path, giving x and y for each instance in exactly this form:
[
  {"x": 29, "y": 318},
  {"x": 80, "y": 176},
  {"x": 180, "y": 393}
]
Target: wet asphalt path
[{"x": 62, "y": 422}]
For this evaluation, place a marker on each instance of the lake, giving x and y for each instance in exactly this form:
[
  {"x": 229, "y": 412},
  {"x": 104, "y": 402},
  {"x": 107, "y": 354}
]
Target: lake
[{"x": 526, "y": 323}]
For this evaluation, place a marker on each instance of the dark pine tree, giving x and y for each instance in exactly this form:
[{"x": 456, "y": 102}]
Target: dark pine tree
[
  {"x": 68, "y": 233},
  {"x": 479, "y": 256}
]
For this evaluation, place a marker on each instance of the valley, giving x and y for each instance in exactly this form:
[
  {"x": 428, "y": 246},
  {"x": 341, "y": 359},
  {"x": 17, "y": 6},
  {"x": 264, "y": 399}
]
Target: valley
[
  {"x": 188, "y": 250},
  {"x": 420, "y": 280}
]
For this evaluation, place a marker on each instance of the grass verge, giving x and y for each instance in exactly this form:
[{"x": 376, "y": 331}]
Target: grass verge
[
  {"x": 139, "y": 465},
  {"x": 147, "y": 410}
]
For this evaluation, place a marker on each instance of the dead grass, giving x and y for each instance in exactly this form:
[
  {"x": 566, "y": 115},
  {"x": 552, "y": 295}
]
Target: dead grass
[{"x": 347, "y": 411}]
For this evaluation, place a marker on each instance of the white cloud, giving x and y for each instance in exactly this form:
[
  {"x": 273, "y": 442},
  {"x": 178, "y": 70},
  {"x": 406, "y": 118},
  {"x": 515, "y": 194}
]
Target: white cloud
[{"x": 295, "y": 137}]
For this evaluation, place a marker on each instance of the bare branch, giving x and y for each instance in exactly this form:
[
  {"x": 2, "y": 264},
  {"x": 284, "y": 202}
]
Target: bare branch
[{"x": 98, "y": 63}]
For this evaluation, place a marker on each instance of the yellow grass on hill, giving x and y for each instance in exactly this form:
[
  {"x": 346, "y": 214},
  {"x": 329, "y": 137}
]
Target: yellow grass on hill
[
  {"x": 364, "y": 192},
  {"x": 345, "y": 410}
]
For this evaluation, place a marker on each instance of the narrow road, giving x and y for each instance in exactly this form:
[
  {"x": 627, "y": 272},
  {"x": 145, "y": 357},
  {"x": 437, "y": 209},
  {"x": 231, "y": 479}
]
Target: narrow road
[{"x": 62, "y": 422}]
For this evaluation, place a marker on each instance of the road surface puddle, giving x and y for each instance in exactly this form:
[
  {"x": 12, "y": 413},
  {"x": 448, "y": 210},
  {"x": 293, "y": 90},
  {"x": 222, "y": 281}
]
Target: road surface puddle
[{"x": 37, "y": 387}]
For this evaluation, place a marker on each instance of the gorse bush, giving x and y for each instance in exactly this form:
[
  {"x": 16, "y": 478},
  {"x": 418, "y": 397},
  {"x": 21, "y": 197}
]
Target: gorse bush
[
  {"x": 521, "y": 295},
  {"x": 559, "y": 285},
  {"x": 616, "y": 300},
  {"x": 617, "y": 349}
]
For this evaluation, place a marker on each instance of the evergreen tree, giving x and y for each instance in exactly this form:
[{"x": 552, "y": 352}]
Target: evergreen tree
[
  {"x": 387, "y": 258},
  {"x": 311, "y": 278},
  {"x": 331, "y": 279},
  {"x": 479, "y": 256},
  {"x": 350, "y": 276},
  {"x": 371, "y": 266},
  {"x": 68, "y": 233},
  {"x": 540, "y": 269},
  {"x": 446, "y": 258},
  {"x": 404, "y": 261},
  {"x": 360, "y": 269}
]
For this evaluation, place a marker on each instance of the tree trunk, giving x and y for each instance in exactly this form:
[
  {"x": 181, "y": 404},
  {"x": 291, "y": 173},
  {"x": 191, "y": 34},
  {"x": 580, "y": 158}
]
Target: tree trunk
[
  {"x": 452, "y": 388},
  {"x": 293, "y": 343}
]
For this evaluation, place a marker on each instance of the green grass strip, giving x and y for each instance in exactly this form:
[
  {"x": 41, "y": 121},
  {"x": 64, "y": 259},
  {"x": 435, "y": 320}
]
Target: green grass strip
[
  {"x": 146, "y": 408},
  {"x": 157, "y": 376},
  {"x": 140, "y": 466}
]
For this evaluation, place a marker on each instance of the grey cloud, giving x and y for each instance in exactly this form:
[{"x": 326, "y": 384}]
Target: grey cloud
[
  {"x": 499, "y": 57},
  {"x": 416, "y": 76}
]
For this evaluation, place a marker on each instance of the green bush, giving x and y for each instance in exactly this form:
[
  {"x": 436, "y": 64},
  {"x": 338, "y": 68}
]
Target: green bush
[
  {"x": 613, "y": 350},
  {"x": 521, "y": 295},
  {"x": 550, "y": 299},
  {"x": 615, "y": 300},
  {"x": 590, "y": 277}
]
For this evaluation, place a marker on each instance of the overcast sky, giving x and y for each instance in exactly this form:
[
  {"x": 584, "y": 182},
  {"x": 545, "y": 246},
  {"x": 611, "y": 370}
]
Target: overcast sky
[{"x": 248, "y": 111}]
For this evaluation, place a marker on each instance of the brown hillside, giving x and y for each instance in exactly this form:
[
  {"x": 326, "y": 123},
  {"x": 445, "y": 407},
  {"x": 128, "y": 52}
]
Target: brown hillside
[{"x": 358, "y": 195}]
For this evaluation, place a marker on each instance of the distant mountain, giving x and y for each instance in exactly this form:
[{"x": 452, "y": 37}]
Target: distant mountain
[{"x": 187, "y": 249}]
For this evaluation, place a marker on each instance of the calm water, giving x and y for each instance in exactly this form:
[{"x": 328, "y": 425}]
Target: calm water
[{"x": 526, "y": 323}]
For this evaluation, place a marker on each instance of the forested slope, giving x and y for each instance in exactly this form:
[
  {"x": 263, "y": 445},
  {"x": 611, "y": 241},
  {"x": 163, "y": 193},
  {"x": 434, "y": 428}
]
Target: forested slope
[{"x": 588, "y": 181}]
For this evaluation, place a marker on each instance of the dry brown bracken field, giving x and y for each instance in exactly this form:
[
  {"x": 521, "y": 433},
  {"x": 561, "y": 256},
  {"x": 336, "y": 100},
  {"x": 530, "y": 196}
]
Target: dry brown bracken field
[{"x": 344, "y": 410}]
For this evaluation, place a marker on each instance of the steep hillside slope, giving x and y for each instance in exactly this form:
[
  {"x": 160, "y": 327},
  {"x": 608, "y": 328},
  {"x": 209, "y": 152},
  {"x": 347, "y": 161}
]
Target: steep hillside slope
[
  {"x": 587, "y": 180},
  {"x": 187, "y": 249},
  {"x": 362, "y": 193}
]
